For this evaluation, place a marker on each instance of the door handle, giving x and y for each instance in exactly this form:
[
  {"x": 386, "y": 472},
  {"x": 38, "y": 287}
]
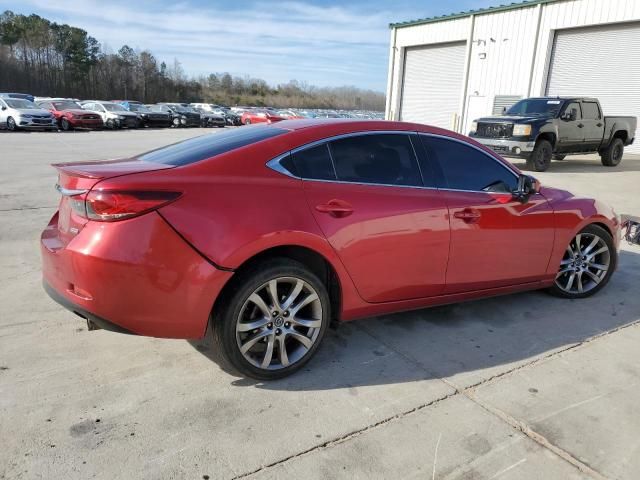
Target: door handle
[
  {"x": 580, "y": 125},
  {"x": 468, "y": 215},
  {"x": 598, "y": 124},
  {"x": 335, "y": 208}
]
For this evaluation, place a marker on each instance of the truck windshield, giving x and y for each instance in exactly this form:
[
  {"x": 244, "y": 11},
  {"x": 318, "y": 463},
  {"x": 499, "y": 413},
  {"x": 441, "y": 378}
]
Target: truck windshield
[{"x": 536, "y": 106}]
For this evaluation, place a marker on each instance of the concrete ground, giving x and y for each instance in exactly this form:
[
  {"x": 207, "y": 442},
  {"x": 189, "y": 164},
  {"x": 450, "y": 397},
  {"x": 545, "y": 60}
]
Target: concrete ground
[{"x": 520, "y": 387}]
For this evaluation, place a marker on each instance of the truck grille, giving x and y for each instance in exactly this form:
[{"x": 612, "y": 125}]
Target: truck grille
[{"x": 494, "y": 130}]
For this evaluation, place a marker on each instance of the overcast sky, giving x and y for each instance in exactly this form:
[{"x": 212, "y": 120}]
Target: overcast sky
[{"x": 322, "y": 42}]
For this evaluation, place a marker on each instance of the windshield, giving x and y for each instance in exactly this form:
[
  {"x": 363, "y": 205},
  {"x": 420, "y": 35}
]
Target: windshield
[
  {"x": 536, "y": 106},
  {"x": 69, "y": 105},
  {"x": 113, "y": 107},
  {"x": 134, "y": 107},
  {"x": 19, "y": 103}
]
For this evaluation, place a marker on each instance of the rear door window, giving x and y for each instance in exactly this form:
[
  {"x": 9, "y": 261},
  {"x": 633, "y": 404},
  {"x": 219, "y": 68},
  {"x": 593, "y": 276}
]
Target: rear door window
[
  {"x": 590, "y": 111},
  {"x": 383, "y": 159}
]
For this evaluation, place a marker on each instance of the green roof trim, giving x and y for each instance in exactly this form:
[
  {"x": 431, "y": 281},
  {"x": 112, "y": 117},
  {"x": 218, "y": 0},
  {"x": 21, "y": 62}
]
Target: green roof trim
[{"x": 479, "y": 11}]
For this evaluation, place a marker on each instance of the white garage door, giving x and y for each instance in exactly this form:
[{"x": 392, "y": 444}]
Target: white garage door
[
  {"x": 432, "y": 84},
  {"x": 602, "y": 62}
]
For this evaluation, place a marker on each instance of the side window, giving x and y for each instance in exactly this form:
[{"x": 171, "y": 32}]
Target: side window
[
  {"x": 312, "y": 163},
  {"x": 386, "y": 159},
  {"x": 571, "y": 106},
  {"x": 467, "y": 168},
  {"x": 591, "y": 111}
]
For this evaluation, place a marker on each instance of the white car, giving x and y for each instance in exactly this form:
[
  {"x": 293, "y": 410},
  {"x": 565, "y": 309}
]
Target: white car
[
  {"x": 113, "y": 114},
  {"x": 18, "y": 113}
]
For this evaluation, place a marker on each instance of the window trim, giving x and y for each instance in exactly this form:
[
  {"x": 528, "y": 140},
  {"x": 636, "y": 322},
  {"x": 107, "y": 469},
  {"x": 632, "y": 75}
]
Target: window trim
[{"x": 274, "y": 163}]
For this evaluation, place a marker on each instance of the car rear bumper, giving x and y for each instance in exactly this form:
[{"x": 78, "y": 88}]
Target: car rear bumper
[
  {"x": 134, "y": 276},
  {"x": 507, "y": 147}
]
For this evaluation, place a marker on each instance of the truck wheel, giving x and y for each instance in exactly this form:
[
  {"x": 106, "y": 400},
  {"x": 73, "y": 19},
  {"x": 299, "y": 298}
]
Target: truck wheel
[
  {"x": 540, "y": 158},
  {"x": 612, "y": 155},
  {"x": 559, "y": 157}
]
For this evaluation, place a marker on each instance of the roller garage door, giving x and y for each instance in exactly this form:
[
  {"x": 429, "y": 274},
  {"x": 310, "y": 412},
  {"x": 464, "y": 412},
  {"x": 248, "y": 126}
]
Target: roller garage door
[
  {"x": 601, "y": 62},
  {"x": 432, "y": 84}
]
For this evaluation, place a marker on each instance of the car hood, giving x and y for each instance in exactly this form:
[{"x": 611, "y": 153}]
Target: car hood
[
  {"x": 512, "y": 118},
  {"x": 33, "y": 111},
  {"x": 77, "y": 111}
]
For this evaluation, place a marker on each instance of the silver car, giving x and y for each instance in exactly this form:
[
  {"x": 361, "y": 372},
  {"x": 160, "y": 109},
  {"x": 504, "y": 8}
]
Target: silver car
[
  {"x": 113, "y": 114},
  {"x": 18, "y": 113}
]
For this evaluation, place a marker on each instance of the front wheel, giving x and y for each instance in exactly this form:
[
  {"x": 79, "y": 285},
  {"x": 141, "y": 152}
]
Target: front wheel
[
  {"x": 273, "y": 321},
  {"x": 65, "y": 125},
  {"x": 11, "y": 124},
  {"x": 247, "y": 121},
  {"x": 587, "y": 264},
  {"x": 540, "y": 157},
  {"x": 612, "y": 155}
]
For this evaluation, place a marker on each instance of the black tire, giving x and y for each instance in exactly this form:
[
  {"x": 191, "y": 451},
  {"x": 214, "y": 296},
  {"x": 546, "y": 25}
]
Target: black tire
[
  {"x": 176, "y": 122},
  {"x": 65, "y": 125},
  {"x": 247, "y": 121},
  {"x": 230, "y": 308},
  {"x": 11, "y": 124},
  {"x": 612, "y": 155},
  {"x": 540, "y": 159},
  {"x": 590, "y": 231},
  {"x": 559, "y": 156}
]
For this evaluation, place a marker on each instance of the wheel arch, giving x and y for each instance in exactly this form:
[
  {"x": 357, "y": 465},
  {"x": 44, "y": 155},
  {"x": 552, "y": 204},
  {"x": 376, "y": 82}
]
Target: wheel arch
[{"x": 549, "y": 136}]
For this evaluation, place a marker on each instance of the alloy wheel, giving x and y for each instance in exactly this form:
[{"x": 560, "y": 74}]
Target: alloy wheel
[
  {"x": 585, "y": 264},
  {"x": 279, "y": 323}
]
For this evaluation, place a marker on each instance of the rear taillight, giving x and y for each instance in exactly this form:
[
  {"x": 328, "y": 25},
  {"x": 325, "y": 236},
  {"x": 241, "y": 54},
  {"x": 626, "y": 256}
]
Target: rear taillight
[{"x": 110, "y": 205}]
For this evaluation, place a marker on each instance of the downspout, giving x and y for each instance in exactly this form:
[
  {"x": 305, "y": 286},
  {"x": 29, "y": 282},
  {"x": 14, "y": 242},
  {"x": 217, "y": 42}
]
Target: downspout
[
  {"x": 467, "y": 67},
  {"x": 391, "y": 70},
  {"x": 535, "y": 50}
]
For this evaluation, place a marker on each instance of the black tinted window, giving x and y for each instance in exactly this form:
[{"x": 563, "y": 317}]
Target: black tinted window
[
  {"x": 381, "y": 158},
  {"x": 210, "y": 145},
  {"x": 574, "y": 106},
  {"x": 590, "y": 110},
  {"x": 466, "y": 168},
  {"x": 313, "y": 163}
]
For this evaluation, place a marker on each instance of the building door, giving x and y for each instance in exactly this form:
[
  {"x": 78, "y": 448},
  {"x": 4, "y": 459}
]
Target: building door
[{"x": 601, "y": 62}]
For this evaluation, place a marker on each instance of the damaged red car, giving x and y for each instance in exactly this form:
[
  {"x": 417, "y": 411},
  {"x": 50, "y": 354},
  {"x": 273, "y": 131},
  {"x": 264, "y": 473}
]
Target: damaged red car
[{"x": 71, "y": 116}]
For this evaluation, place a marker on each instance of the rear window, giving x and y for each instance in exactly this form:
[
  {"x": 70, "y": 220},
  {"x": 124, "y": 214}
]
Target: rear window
[{"x": 210, "y": 145}]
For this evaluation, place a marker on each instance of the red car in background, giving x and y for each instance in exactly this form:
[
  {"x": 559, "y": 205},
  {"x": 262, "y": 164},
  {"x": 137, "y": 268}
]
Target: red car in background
[
  {"x": 260, "y": 116},
  {"x": 268, "y": 233},
  {"x": 70, "y": 115}
]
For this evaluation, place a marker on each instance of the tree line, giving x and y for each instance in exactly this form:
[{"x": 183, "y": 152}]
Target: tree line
[{"x": 46, "y": 58}]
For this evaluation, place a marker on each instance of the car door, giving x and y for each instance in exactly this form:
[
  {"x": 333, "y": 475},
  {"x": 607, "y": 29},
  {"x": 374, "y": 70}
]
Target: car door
[
  {"x": 496, "y": 240},
  {"x": 3, "y": 113},
  {"x": 389, "y": 230},
  {"x": 593, "y": 125},
  {"x": 570, "y": 129}
]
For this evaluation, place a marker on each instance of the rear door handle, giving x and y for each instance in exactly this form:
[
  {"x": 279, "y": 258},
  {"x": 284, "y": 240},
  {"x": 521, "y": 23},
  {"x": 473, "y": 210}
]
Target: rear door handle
[
  {"x": 335, "y": 208},
  {"x": 598, "y": 124},
  {"x": 468, "y": 215}
]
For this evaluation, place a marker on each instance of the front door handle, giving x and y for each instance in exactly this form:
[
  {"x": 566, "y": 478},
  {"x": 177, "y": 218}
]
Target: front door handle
[
  {"x": 468, "y": 215},
  {"x": 580, "y": 125},
  {"x": 598, "y": 124},
  {"x": 335, "y": 208}
]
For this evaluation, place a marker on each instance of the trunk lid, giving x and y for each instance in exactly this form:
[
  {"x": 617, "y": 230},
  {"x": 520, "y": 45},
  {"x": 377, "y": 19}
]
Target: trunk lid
[{"x": 77, "y": 179}]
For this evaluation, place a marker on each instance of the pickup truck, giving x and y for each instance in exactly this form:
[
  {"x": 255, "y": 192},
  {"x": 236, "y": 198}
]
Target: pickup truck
[{"x": 539, "y": 129}]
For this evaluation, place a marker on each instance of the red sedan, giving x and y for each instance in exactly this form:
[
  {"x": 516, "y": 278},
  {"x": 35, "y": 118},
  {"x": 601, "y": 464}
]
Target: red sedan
[
  {"x": 260, "y": 116},
  {"x": 70, "y": 115},
  {"x": 268, "y": 233}
]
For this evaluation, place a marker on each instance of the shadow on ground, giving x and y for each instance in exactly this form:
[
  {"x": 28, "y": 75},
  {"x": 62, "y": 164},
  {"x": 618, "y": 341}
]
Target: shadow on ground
[{"x": 470, "y": 341}]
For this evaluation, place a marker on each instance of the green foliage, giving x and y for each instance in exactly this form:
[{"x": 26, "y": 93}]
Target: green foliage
[{"x": 45, "y": 58}]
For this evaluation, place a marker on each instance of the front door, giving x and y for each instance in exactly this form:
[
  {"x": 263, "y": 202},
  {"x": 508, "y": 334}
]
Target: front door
[
  {"x": 496, "y": 241},
  {"x": 368, "y": 197},
  {"x": 571, "y": 129}
]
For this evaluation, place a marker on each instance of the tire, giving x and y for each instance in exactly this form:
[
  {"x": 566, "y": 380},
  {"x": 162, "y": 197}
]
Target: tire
[
  {"x": 612, "y": 155},
  {"x": 247, "y": 121},
  {"x": 11, "y": 124},
  {"x": 590, "y": 239},
  {"x": 265, "y": 342},
  {"x": 176, "y": 122},
  {"x": 559, "y": 157},
  {"x": 540, "y": 158},
  {"x": 110, "y": 124},
  {"x": 65, "y": 125}
]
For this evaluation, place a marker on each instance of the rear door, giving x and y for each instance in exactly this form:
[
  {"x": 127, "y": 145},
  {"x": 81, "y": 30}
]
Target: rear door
[
  {"x": 495, "y": 241},
  {"x": 593, "y": 125},
  {"x": 368, "y": 197},
  {"x": 570, "y": 131}
]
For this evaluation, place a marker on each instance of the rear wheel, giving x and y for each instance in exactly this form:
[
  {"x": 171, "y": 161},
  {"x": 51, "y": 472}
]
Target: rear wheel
[
  {"x": 273, "y": 321},
  {"x": 587, "y": 264},
  {"x": 612, "y": 155},
  {"x": 540, "y": 158}
]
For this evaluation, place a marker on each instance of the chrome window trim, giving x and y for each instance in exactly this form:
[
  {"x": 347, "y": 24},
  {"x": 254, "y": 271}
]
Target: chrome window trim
[{"x": 274, "y": 163}]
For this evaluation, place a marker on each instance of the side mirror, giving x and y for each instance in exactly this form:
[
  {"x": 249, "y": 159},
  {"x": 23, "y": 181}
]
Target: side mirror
[
  {"x": 4, "y": 108},
  {"x": 527, "y": 186}
]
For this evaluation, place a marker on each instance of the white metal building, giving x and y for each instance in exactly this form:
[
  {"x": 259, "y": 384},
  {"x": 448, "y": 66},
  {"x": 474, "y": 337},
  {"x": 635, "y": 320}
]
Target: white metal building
[{"x": 447, "y": 71}]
